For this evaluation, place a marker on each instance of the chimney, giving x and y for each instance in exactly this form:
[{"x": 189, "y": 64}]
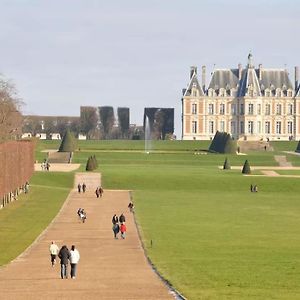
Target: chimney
[
  {"x": 193, "y": 70},
  {"x": 260, "y": 71},
  {"x": 296, "y": 77},
  {"x": 203, "y": 77},
  {"x": 240, "y": 71}
]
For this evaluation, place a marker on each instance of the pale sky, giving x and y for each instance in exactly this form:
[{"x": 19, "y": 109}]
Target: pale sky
[{"x": 135, "y": 53}]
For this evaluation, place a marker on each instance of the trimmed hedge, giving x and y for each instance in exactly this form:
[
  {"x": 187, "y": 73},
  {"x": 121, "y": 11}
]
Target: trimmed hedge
[
  {"x": 298, "y": 147},
  {"x": 226, "y": 165},
  {"x": 68, "y": 143},
  {"x": 222, "y": 143},
  {"x": 246, "y": 168},
  {"x": 91, "y": 163}
]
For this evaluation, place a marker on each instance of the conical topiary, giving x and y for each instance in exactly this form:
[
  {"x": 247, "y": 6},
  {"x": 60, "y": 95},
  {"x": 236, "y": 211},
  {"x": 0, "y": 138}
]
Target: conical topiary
[
  {"x": 298, "y": 147},
  {"x": 95, "y": 161},
  {"x": 90, "y": 165},
  {"x": 68, "y": 143},
  {"x": 246, "y": 168},
  {"x": 226, "y": 165}
]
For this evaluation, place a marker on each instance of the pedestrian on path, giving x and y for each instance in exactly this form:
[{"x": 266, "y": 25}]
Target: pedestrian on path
[
  {"x": 64, "y": 255},
  {"x": 101, "y": 191},
  {"x": 79, "y": 188},
  {"x": 97, "y": 192},
  {"x": 116, "y": 229},
  {"x": 84, "y": 187},
  {"x": 122, "y": 218},
  {"x": 123, "y": 230},
  {"x": 53, "y": 252},
  {"x": 74, "y": 259},
  {"x": 114, "y": 219}
]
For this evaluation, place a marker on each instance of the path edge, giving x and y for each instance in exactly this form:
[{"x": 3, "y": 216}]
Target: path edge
[
  {"x": 171, "y": 288},
  {"x": 40, "y": 236}
]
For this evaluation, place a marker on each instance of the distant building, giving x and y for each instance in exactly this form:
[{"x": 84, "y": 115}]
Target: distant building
[
  {"x": 43, "y": 126},
  {"x": 41, "y": 136},
  {"x": 55, "y": 136},
  {"x": 249, "y": 103}
]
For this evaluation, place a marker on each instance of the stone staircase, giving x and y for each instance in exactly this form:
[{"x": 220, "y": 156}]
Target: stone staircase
[
  {"x": 60, "y": 157},
  {"x": 246, "y": 146}
]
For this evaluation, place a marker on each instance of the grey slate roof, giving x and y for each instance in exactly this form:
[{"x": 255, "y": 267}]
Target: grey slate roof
[
  {"x": 224, "y": 78},
  {"x": 250, "y": 80},
  {"x": 276, "y": 78},
  {"x": 194, "y": 83},
  {"x": 270, "y": 78}
]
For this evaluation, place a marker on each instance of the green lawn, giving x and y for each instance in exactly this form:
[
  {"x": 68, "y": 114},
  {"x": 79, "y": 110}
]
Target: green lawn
[
  {"x": 211, "y": 238},
  {"x": 23, "y": 220}
]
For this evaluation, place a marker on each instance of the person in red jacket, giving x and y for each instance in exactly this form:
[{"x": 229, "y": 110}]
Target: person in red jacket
[{"x": 123, "y": 230}]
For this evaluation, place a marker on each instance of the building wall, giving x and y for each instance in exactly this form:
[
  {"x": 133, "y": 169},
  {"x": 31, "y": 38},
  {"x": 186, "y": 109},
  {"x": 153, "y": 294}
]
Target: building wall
[{"x": 205, "y": 117}]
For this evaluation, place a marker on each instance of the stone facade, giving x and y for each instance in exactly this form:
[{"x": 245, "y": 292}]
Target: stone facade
[{"x": 249, "y": 103}]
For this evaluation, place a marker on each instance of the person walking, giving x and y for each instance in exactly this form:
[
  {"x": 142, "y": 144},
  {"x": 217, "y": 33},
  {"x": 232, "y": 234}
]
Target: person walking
[
  {"x": 64, "y": 255},
  {"x": 97, "y": 192},
  {"x": 114, "y": 219},
  {"x": 116, "y": 229},
  {"x": 84, "y": 187},
  {"x": 122, "y": 218},
  {"x": 123, "y": 230},
  {"x": 53, "y": 252},
  {"x": 74, "y": 259},
  {"x": 79, "y": 188},
  {"x": 100, "y": 191}
]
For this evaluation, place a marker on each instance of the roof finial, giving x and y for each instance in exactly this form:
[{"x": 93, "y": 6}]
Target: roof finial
[{"x": 250, "y": 63}]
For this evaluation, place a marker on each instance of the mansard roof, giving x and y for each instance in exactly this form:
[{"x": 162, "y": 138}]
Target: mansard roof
[
  {"x": 194, "y": 83},
  {"x": 224, "y": 78},
  {"x": 270, "y": 79},
  {"x": 274, "y": 79}
]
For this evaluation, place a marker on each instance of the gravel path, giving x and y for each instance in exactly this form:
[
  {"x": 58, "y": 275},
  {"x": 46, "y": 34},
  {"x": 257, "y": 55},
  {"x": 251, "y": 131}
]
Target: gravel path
[{"x": 108, "y": 269}]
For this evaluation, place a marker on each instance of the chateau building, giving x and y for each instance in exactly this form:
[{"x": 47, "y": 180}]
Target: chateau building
[{"x": 249, "y": 103}]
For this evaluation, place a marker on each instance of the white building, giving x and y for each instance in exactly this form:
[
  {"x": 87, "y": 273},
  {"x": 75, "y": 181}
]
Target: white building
[{"x": 249, "y": 103}]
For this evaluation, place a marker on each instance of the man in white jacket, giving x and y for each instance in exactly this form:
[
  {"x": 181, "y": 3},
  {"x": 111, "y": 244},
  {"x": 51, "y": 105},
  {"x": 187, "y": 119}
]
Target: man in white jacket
[
  {"x": 53, "y": 252},
  {"x": 74, "y": 259}
]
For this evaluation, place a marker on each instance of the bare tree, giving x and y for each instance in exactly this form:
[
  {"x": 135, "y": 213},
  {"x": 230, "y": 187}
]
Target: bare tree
[{"x": 10, "y": 115}]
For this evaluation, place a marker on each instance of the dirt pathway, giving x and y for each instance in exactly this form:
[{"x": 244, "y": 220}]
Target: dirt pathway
[{"x": 108, "y": 269}]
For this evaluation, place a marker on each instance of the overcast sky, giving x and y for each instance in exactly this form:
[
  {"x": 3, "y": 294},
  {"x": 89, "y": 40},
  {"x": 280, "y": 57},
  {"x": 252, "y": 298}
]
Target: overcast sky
[{"x": 135, "y": 53}]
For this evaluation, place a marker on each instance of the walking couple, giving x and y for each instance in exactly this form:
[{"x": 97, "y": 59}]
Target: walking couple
[
  {"x": 65, "y": 256},
  {"x": 117, "y": 228}
]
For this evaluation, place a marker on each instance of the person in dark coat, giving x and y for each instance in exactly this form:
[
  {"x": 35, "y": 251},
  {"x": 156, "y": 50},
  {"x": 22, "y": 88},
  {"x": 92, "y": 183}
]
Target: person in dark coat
[
  {"x": 84, "y": 187},
  {"x": 64, "y": 255},
  {"x": 114, "y": 219},
  {"x": 97, "y": 192},
  {"x": 122, "y": 218},
  {"x": 79, "y": 187},
  {"x": 116, "y": 229}
]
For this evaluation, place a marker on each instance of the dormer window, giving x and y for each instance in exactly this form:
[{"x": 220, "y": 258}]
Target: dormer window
[
  {"x": 194, "y": 93},
  {"x": 278, "y": 93},
  {"x": 290, "y": 93}
]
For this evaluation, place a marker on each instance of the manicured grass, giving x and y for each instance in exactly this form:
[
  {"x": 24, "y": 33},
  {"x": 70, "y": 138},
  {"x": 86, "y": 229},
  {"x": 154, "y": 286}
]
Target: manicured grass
[
  {"x": 211, "y": 238},
  {"x": 23, "y": 220}
]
